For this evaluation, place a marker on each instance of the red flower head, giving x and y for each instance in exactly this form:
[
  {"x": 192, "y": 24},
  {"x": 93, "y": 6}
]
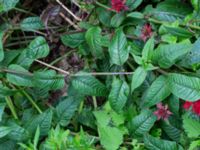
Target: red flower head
[
  {"x": 146, "y": 32},
  {"x": 194, "y": 105},
  {"x": 118, "y": 5},
  {"x": 162, "y": 112}
]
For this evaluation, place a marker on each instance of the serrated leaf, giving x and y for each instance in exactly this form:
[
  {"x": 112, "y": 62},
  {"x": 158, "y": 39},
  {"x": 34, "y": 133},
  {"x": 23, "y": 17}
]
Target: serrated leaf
[
  {"x": 118, "y": 95},
  {"x": 138, "y": 78},
  {"x": 142, "y": 123},
  {"x": 191, "y": 127},
  {"x": 1, "y": 46},
  {"x": 8, "y": 4},
  {"x": 38, "y": 48},
  {"x": 147, "y": 51},
  {"x": 167, "y": 55},
  {"x": 118, "y": 51},
  {"x": 66, "y": 109},
  {"x": 184, "y": 87},
  {"x": 93, "y": 38},
  {"x": 153, "y": 143},
  {"x": 73, "y": 40},
  {"x": 157, "y": 92},
  {"x": 89, "y": 85},
  {"x": 31, "y": 23},
  {"x": 19, "y": 79}
]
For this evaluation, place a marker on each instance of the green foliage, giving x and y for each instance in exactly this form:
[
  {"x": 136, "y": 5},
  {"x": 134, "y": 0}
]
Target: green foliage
[{"x": 31, "y": 23}]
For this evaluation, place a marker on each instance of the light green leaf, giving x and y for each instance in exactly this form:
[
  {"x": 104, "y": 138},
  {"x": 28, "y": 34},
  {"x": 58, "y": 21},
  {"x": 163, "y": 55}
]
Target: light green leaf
[
  {"x": 136, "y": 15},
  {"x": 93, "y": 38},
  {"x": 2, "y": 107},
  {"x": 157, "y": 92},
  {"x": 118, "y": 95},
  {"x": 142, "y": 123},
  {"x": 1, "y": 46},
  {"x": 89, "y": 85},
  {"x": 4, "y": 131},
  {"x": 138, "y": 78},
  {"x": 179, "y": 32},
  {"x": 8, "y": 4},
  {"x": 73, "y": 40},
  {"x": 191, "y": 127},
  {"x": 184, "y": 87},
  {"x": 66, "y": 109},
  {"x": 118, "y": 51},
  {"x": 31, "y": 23},
  {"x": 153, "y": 143},
  {"x": 147, "y": 51},
  {"x": 38, "y": 48},
  {"x": 22, "y": 79}
]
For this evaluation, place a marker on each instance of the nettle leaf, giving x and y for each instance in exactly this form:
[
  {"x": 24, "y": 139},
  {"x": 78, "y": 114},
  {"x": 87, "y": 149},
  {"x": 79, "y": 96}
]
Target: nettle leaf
[
  {"x": 153, "y": 143},
  {"x": 118, "y": 51},
  {"x": 21, "y": 78},
  {"x": 138, "y": 78},
  {"x": 167, "y": 55},
  {"x": 48, "y": 80},
  {"x": 42, "y": 120},
  {"x": 179, "y": 32},
  {"x": 118, "y": 95},
  {"x": 157, "y": 92},
  {"x": 93, "y": 38},
  {"x": 31, "y": 23},
  {"x": 1, "y": 46},
  {"x": 133, "y": 4},
  {"x": 8, "y": 4},
  {"x": 73, "y": 40},
  {"x": 38, "y": 48},
  {"x": 66, "y": 109},
  {"x": 184, "y": 87},
  {"x": 142, "y": 123},
  {"x": 89, "y": 85},
  {"x": 191, "y": 127},
  {"x": 147, "y": 51}
]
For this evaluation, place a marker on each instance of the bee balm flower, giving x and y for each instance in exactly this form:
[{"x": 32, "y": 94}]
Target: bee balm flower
[
  {"x": 118, "y": 5},
  {"x": 162, "y": 112},
  {"x": 195, "y": 106},
  {"x": 146, "y": 32}
]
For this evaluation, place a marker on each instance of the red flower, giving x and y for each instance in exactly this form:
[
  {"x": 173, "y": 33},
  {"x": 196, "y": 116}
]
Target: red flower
[
  {"x": 118, "y": 5},
  {"x": 146, "y": 32},
  {"x": 194, "y": 105},
  {"x": 162, "y": 112}
]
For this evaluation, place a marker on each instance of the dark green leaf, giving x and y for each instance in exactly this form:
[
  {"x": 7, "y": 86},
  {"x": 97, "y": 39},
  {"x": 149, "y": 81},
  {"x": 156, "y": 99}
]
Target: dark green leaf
[
  {"x": 1, "y": 46},
  {"x": 31, "y": 23},
  {"x": 133, "y": 4}
]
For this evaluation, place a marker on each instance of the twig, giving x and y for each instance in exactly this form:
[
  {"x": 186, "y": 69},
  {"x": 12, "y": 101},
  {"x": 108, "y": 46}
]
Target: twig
[
  {"x": 71, "y": 13},
  {"x": 70, "y": 22}
]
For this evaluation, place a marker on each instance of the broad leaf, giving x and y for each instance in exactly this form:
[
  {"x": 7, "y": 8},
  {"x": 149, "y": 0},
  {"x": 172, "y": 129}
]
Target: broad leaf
[
  {"x": 157, "y": 92},
  {"x": 117, "y": 20},
  {"x": 118, "y": 95},
  {"x": 133, "y": 4},
  {"x": 184, "y": 87},
  {"x": 4, "y": 131},
  {"x": 118, "y": 51},
  {"x": 8, "y": 4},
  {"x": 138, "y": 78},
  {"x": 142, "y": 123},
  {"x": 31, "y": 23},
  {"x": 147, "y": 51},
  {"x": 93, "y": 38}
]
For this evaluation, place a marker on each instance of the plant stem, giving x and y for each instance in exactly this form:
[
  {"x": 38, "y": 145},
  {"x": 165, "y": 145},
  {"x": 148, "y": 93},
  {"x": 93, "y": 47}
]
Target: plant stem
[
  {"x": 94, "y": 102},
  {"x": 32, "y": 101},
  {"x": 11, "y": 106},
  {"x": 104, "y": 6},
  {"x": 24, "y": 11}
]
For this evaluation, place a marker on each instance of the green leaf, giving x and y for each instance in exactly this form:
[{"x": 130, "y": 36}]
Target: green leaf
[
  {"x": 93, "y": 38},
  {"x": 147, "y": 51},
  {"x": 5, "y": 91},
  {"x": 138, "y": 78},
  {"x": 167, "y": 55},
  {"x": 104, "y": 16},
  {"x": 8, "y": 4},
  {"x": 153, "y": 143},
  {"x": 66, "y": 109},
  {"x": 133, "y": 4},
  {"x": 73, "y": 40},
  {"x": 2, "y": 107},
  {"x": 89, "y": 85},
  {"x": 22, "y": 79},
  {"x": 142, "y": 123},
  {"x": 118, "y": 51},
  {"x": 136, "y": 15},
  {"x": 191, "y": 127},
  {"x": 117, "y": 20},
  {"x": 118, "y": 95},
  {"x": 36, "y": 137},
  {"x": 184, "y": 87},
  {"x": 43, "y": 121},
  {"x": 157, "y": 92},
  {"x": 31, "y": 23},
  {"x": 179, "y": 32},
  {"x": 4, "y": 131},
  {"x": 194, "y": 144},
  {"x": 1, "y": 46},
  {"x": 38, "y": 48},
  {"x": 7, "y": 144}
]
